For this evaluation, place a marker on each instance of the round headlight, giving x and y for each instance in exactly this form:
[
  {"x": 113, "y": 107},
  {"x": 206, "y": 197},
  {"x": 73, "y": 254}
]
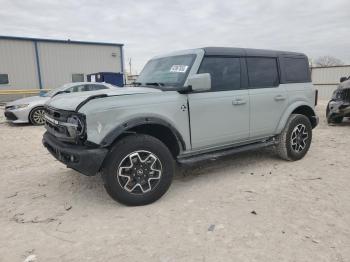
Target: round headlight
[
  {"x": 21, "y": 106},
  {"x": 77, "y": 126},
  {"x": 337, "y": 94}
]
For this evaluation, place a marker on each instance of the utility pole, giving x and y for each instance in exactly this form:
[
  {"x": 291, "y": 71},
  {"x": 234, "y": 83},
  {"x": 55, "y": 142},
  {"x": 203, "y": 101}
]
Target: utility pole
[{"x": 130, "y": 66}]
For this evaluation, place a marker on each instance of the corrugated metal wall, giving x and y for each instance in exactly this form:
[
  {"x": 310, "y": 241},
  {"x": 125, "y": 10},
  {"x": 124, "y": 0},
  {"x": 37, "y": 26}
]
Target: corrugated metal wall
[
  {"x": 326, "y": 79},
  {"x": 17, "y": 59},
  {"x": 58, "y": 61}
]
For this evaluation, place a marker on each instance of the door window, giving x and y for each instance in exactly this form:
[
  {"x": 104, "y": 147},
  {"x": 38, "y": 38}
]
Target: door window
[
  {"x": 74, "y": 89},
  {"x": 225, "y": 72},
  {"x": 93, "y": 87}
]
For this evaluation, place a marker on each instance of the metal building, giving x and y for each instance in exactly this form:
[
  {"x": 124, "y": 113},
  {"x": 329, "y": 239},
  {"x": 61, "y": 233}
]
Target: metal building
[
  {"x": 30, "y": 64},
  {"x": 326, "y": 79}
]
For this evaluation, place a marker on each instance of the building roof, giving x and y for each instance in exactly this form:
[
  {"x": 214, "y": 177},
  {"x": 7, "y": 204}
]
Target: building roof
[
  {"x": 58, "y": 41},
  {"x": 235, "y": 51}
]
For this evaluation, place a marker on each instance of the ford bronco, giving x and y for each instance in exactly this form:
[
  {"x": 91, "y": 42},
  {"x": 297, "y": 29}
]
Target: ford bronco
[{"x": 186, "y": 106}]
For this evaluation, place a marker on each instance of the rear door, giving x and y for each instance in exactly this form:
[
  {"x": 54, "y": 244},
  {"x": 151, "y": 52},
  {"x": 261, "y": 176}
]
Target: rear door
[
  {"x": 220, "y": 116},
  {"x": 268, "y": 99}
]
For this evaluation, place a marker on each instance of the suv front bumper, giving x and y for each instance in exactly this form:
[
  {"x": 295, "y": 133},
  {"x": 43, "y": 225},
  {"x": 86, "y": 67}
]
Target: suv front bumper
[
  {"x": 339, "y": 108},
  {"x": 84, "y": 159}
]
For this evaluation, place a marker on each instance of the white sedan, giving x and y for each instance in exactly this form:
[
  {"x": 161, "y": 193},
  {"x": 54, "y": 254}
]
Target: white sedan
[{"x": 31, "y": 109}]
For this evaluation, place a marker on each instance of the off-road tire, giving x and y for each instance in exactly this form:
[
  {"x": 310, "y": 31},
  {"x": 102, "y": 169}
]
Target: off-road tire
[
  {"x": 34, "y": 114},
  {"x": 119, "y": 152},
  {"x": 284, "y": 140}
]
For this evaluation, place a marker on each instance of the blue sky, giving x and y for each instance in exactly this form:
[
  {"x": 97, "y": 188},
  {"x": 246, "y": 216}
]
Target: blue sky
[{"x": 152, "y": 27}]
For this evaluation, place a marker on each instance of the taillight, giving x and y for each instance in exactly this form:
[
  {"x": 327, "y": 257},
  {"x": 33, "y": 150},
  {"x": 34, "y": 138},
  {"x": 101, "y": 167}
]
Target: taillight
[{"x": 316, "y": 97}]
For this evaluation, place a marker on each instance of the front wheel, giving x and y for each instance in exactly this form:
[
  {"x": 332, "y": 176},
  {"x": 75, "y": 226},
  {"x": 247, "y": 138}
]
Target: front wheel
[
  {"x": 295, "y": 140},
  {"x": 138, "y": 170},
  {"x": 37, "y": 116}
]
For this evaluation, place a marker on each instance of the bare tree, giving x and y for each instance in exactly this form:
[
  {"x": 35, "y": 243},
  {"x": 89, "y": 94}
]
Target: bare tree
[{"x": 328, "y": 61}]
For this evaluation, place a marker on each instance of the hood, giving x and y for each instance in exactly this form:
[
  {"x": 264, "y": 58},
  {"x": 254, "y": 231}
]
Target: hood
[
  {"x": 72, "y": 101},
  {"x": 28, "y": 100},
  {"x": 345, "y": 84}
]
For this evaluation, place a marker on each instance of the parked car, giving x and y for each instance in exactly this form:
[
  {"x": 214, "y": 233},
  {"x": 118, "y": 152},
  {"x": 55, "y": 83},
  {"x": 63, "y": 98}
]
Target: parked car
[
  {"x": 189, "y": 106},
  {"x": 339, "y": 105},
  {"x": 31, "y": 109}
]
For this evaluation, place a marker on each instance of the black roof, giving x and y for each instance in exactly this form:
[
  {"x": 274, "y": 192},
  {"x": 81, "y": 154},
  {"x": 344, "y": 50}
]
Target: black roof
[{"x": 236, "y": 51}]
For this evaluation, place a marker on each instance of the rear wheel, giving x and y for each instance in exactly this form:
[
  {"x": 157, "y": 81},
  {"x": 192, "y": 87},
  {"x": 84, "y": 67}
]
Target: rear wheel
[
  {"x": 37, "y": 116},
  {"x": 138, "y": 170},
  {"x": 295, "y": 140}
]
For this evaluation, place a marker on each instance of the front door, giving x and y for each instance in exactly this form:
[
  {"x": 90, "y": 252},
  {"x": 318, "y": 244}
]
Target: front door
[{"x": 220, "y": 116}]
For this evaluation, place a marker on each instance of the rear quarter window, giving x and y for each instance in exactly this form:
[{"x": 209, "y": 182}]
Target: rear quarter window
[
  {"x": 296, "y": 70},
  {"x": 262, "y": 72}
]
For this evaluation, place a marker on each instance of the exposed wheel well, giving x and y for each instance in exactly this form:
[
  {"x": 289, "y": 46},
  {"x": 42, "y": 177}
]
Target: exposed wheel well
[
  {"x": 160, "y": 132},
  {"x": 308, "y": 112}
]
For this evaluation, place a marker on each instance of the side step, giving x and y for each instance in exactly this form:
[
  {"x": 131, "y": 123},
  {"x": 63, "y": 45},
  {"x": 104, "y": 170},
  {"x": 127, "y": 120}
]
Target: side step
[{"x": 187, "y": 160}]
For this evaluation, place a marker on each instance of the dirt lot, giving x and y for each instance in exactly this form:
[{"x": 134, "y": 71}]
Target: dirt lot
[{"x": 247, "y": 207}]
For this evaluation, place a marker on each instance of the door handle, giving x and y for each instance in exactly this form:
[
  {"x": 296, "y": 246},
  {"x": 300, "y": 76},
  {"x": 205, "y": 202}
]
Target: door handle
[
  {"x": 238, "y": 101},
  {"x": 280, "y": 98}
]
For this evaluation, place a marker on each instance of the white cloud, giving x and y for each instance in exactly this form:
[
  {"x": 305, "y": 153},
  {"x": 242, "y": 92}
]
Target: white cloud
[{"x": 150, "y": 27}]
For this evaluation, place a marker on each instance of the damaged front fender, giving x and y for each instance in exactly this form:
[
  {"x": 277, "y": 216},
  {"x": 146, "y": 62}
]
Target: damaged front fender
[{"x": 339, "y": 106}]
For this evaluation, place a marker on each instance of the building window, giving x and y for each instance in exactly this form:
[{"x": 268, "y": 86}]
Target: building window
[
  {"x": 4, "y": 79},
  {"x": 262, "y": 72},
  {"x": 225, "y": 72},
  {"x": 77, "y": 78}
]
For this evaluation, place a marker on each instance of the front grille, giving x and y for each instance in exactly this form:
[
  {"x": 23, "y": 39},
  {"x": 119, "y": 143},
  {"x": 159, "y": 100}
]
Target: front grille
[
  {"x": 345, "y": 95},
  {"x": 10, "y": 116},
  {"x": 59, "y": 115},
  {"x": 57, "y": 124}
]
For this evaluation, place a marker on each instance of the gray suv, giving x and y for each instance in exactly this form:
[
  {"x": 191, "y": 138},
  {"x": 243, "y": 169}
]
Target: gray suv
[{"x": 187, "y": 106}]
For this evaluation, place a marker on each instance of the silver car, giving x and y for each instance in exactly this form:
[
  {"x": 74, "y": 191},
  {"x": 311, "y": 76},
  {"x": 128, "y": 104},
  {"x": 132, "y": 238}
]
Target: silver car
[{"x": 31, "y": 109}]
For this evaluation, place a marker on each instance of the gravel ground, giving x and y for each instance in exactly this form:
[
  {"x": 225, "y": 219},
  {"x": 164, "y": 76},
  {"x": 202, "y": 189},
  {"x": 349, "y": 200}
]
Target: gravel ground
[{"x": 246, "y": 207}]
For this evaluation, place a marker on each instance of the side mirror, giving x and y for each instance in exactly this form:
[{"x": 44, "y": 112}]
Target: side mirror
[
  {"x": 342, "y": 79},
  {"x": 200, "y": 82}
]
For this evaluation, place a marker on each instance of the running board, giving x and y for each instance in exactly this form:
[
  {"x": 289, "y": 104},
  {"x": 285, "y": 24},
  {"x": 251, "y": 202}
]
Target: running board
[{"x": 187, "y": 160}]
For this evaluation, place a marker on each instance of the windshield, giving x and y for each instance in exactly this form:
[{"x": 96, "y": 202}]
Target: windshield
[
  {"x": 166, "y": 71},
  {"x": 54, "y": 91}
]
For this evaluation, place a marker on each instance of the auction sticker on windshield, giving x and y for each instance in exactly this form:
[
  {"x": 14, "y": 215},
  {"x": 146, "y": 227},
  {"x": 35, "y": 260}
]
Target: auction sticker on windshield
[{"x": 179, "y": 68}]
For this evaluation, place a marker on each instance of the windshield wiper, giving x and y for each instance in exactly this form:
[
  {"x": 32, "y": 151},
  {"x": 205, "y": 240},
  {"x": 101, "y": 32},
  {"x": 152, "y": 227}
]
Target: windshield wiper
[{"x": 155, "y": 84}]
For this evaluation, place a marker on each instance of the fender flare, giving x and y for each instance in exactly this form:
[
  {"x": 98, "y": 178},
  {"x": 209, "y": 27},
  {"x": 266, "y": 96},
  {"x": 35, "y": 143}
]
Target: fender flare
[
  {"x": 124, "y": 127},
  {"x": 288, "y": 112}
]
